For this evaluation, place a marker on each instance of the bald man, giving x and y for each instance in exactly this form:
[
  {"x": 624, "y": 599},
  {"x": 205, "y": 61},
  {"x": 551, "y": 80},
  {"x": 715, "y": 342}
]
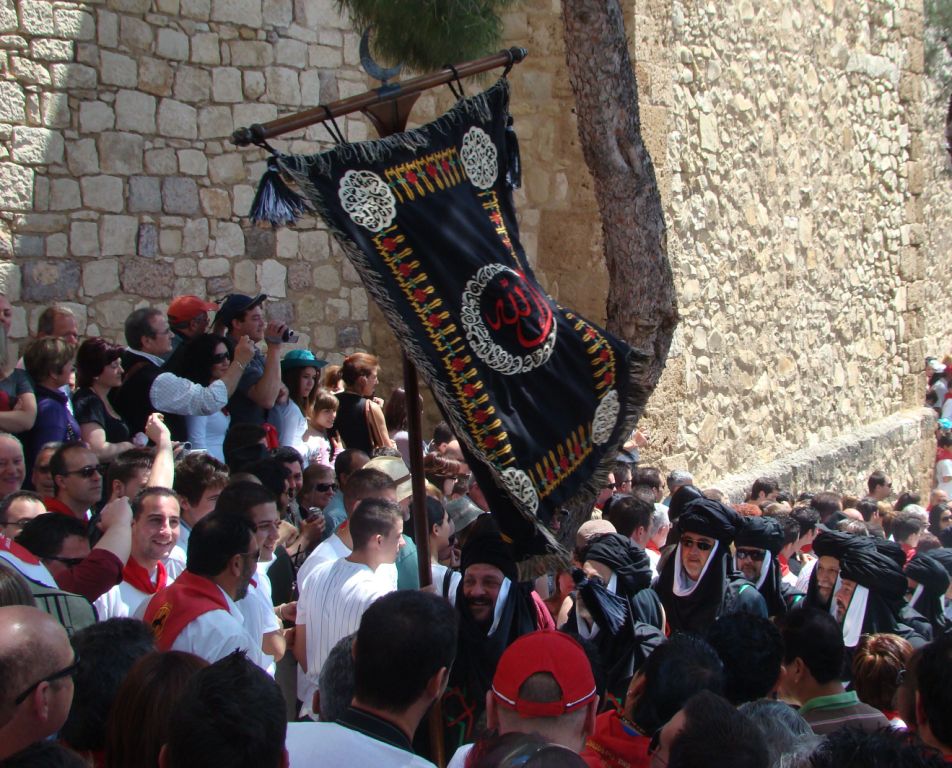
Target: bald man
[{"x": 37, "y": 665}]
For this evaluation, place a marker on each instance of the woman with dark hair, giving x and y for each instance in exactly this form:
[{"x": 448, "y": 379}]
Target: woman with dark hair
[
  {"x": 98, "y": 371},
  {"x": 205, "y": 359},
  {"x": 49, "y": 361},
  {"x": 940, "y": 518},
  {"x": 300, "y": 374},
  {"x": 138, "y": 723},
  {"x": 395, "y": 414}
]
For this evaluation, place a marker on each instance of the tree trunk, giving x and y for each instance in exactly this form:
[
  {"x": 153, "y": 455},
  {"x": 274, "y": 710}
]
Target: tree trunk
[{"x": 641, "y": 305}]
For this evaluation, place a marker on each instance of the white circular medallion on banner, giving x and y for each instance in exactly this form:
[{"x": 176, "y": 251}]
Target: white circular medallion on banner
[
  {"x": 367, "y": 200},
  {"x": 480, "y": 158},
  {"x": 606, "y": 414},
  {"x": 521, "y": 489}
]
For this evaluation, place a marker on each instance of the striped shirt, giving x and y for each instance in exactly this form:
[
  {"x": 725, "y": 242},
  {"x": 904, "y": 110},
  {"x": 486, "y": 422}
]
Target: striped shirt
[{"x": 333, "y": 598}]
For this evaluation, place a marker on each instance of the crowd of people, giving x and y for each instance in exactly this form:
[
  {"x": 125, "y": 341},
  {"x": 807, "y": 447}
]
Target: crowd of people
[{"x": 206, "y": 559}]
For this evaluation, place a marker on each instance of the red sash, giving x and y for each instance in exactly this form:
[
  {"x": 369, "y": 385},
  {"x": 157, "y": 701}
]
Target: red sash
[
  {"x": 172, "y": 609},
  {"x": 138, "y": 577}
]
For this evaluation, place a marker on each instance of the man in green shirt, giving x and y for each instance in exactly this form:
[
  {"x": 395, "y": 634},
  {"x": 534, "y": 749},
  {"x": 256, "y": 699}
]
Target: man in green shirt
[{"x": 813, "y": 658}]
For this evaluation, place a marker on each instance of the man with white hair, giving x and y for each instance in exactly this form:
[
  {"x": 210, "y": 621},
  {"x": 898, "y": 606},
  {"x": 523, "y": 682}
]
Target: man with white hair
[{"x": 677, "y": 478}]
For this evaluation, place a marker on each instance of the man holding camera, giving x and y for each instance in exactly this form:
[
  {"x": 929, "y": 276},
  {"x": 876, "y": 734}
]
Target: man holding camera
[{"x": 260, "y": 383}]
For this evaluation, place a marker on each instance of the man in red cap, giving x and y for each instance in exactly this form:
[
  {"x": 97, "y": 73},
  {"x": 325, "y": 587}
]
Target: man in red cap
[
  {"x": 543, "y": 685},
  {"x": 188, "y": 318}
]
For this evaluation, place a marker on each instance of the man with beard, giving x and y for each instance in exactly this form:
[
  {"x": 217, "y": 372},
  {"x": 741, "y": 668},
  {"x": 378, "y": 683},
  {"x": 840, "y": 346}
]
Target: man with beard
[
  {"x": 928, "y": 581},
  {"x": 868, "y": 595},
  {"x": 494, "y": 608},
  {"x": 756, "y": 549},
  {"x": 697, "y": 582},
  {"x": 155, "y": 525},
  {"x": 615, "y": 609},
  {"x": 199, "y": 612}
]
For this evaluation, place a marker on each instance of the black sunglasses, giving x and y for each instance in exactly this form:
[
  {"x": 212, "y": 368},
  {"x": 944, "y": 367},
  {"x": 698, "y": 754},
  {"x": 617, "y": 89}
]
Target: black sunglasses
[
  {"x": 69, "y": 671},
  {"x": 220, "y": 358},
  {"x": 704, "y": 546},
  {"x": 757, "y": 555},
  {"x": 69, "y": 562},
  {"x": 87, "y": 472},
  {"x": 325, "y": 487}
]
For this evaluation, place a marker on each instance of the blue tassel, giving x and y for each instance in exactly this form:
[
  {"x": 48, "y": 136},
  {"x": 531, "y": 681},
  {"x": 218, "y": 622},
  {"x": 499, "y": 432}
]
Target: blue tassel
[
  {"x": 514, "y": 163},
  {"x": 275, "y": 202}
]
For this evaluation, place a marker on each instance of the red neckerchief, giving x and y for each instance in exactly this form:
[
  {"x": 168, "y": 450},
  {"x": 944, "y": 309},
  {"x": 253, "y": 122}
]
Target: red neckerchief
[
  {"x": 176, "y": 606},
  {"x": 652, "y": 546},
  {"x": 613, "y": 745},
  {"x": 139, "y": 577},
  {"x": 784, "y": 566}
]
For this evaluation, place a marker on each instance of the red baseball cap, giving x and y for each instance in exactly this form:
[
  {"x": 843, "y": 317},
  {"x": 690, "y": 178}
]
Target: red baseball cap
[
  {"x": 546, "y": 650},
  {"x": 186, "y": 308}
]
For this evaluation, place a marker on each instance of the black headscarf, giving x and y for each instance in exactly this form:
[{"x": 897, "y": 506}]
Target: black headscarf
[
  {"x": 479, "y": 653},
  {"x": 766, "y": 533},
  {"x": 681, "y": 498},
  {"x": 697, "y": 611},
  {"x": 928, "y": 572},
  {"x": 863, "y": 562},
  {"x": 629, "y": 621},
  {"x": 826, "y": 544}
]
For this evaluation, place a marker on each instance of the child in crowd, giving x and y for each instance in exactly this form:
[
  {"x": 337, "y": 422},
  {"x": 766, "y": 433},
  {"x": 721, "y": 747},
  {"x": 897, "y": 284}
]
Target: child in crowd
[{"x": 319, "y": 445}]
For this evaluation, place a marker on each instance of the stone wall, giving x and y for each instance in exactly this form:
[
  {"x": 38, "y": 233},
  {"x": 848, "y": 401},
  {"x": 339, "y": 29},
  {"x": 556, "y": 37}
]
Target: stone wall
[
  {"x": 117, "y": 183},
  {"x": 789, "y": 141}
]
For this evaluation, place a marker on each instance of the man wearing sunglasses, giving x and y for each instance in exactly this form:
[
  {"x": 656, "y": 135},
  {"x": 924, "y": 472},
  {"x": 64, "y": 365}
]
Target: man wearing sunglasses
[
  {"x": 37, "y": 665},
  {"x": 756, "y": 549},
  {"x": 77, "y": 478},
  {"x": 697, "y": 581}
]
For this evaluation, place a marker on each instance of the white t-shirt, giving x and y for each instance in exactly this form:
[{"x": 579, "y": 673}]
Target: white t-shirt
[
  {"x": 459, "y": 756},
  {"x": 258, "y": 612},
  {"x": 216, "y": 634},
  {"x": 438, "y": 574},
  {"x": 124, "y": 600},
  {"x": 207, "y": 433},
  {"x": 290, "y": 423},
  {"x": 332, "y": 600},
  {"x": 333, "y": 548},
  {"x": 311, "y": 745},
  {"x": 943, "y": 469}
]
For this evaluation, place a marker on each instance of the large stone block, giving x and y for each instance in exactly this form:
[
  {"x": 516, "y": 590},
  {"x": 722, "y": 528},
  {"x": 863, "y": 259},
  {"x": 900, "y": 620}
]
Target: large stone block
[
  {"x": 135, "y": 111},
  {"x": 82, "y": 158},
  {"x": 100, "y": 276},
  {"x": 10, "y": 280},
  {"x": 64, "y": 195},
  {"x": 229, "y": 239},
  {"x": 251, "y": 53},
  {"x": 226, "y": 84},
  {"x": 84, "y": 238},
  {"x": 136, "y": 34},
  {"x": 121, "y": 153},
  {"x": 96, "y": 116},
  {"x": 73, "y": 23},
  {"x": 117, "y": 235},
  {"x": 116, "y": 69},
  {"x": 192, "y": 162},
  {"x": 152, "y": 278},
  {"x": 273, "y": 277},
  {"x": 180, "y": 196},
  {"x": 195, "y": 236},
  {"x": 78, "y": 76},
  {"x": 147, "y": 240},
  {"x": 36, "y": 17},
  {"x": 192, "y": 84},
  {"x": 177, "y": 119},
  {"x": 282, "y": 86},
  {"x": 145, "y": 194},
  {"x": 172, "y": 44},
  {"x": 48, "y": 281},
  {"x": 37, "y": 146},
  {"x": 214, "y": 122},
  {"x": 102, "y": 193},
  {"x": 246, "y": 12},
  {"x": 205, "y": 49},
  {"x": 48, "y": 49},
  {"x": 12, "y": 102},
  {"x": 16, "y": 187},
  {"x": 155, "y": 76},
  {"x": 226, "y": 169}
]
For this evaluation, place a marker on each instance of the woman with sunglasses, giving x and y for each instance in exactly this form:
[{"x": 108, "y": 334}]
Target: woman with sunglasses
[
  {"x": 206, "y": 359},
  {"x": 98, "y": 372}
]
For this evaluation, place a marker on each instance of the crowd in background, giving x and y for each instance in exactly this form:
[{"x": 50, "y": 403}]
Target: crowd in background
[{"x": 206, "y": 558}]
